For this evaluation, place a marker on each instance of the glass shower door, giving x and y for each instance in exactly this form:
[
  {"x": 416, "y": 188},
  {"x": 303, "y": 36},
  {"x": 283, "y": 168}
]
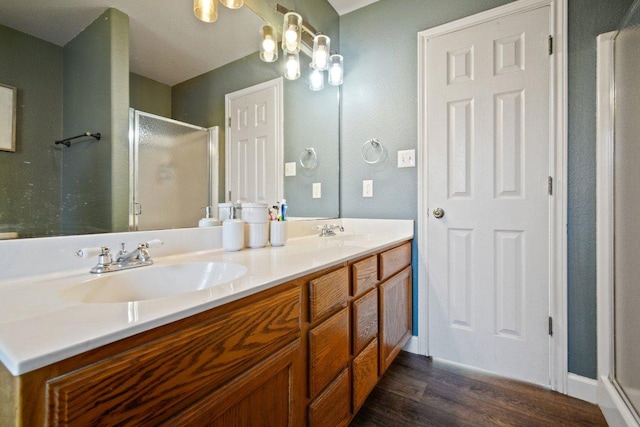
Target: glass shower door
[{"x": 172, "y": 172}]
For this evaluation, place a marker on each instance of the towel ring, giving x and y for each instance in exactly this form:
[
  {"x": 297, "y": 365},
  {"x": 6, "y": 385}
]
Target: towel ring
[
  {"x": 372, "y": 145},
  {"x": 309, "y": 158}
]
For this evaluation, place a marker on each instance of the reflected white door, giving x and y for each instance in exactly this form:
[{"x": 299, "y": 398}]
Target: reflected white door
[
  {"x": 254, "y": 144},
  {"x": 488, "y": 148}
]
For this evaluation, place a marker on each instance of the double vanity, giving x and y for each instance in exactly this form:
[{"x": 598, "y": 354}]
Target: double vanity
[{"x": 293, "y": 335}]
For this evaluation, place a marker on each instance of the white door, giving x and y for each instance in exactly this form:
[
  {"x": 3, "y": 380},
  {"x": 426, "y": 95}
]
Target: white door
[
  {"x": 254, "y": 144},
  {"x": 488, "y": 151}
]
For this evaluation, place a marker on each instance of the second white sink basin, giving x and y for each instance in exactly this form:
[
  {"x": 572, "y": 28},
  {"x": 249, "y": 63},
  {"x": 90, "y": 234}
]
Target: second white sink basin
[{"x": 156, "y": 281}]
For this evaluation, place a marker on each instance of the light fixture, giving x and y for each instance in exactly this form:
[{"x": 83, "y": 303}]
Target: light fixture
[
  {"x": 206, "y": 10},
  {"x": 269, "y": 45},
  {"x": 336, "y": 70},
  {"x": 291, "y": 32},
  {"x": 316, "y": 79},
  {"x": 292, "y": 65},
  {"x": 232, "y": 4},
  {"x": 320, "y": 57}
]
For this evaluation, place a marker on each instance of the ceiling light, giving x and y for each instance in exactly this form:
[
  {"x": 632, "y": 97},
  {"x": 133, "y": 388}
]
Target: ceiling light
[
  {"x": 206, "y": 10},
  {"x": 320, "y": 58},
  {"x": 269, "y": 45},
  {"x": 232, "y": 4},
  {"x": 316, "y": 79},
  {"x": 336, "y": 70},
  {"x": 291, "y": 32}
]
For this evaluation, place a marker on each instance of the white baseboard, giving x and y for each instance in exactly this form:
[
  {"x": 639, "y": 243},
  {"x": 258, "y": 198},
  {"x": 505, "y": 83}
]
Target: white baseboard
[
  {"x": 412, "y": 345},
  {"x": 582, "y": 388}
]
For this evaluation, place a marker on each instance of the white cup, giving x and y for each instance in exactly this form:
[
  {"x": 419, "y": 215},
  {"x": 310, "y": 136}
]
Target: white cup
[
  {"x": 257, "y": 234},
  {"x": 278, "y": 233},
  {"x": 232, "y": 235}
]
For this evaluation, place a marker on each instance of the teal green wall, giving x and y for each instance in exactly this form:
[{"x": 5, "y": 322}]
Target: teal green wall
[
  {"x": 30, "y": 177},
  {"x": 96, "y": 98},
  {"x": 149, "y": 95},
  {"x": 379, "y": 43},
  {"x": 310, "y": 118}
]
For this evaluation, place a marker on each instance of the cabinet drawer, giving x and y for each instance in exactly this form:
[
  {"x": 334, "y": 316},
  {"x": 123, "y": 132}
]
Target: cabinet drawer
[
  {"x": 365, "y": 374},
  {"x": 331, "y": 408},
  {"x": 134, "y": 387},
  {"x": 328, "y": 350},
  {"x": 394, "y": 260},
  {"x": 365, "y": 275},
  {"x": 328, "y": 293},
  {"x": 365, "y": 320}
]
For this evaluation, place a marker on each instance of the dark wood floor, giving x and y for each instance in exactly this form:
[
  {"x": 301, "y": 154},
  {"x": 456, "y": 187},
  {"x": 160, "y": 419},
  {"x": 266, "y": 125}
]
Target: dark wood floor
[{"x": 417, "y": 391}]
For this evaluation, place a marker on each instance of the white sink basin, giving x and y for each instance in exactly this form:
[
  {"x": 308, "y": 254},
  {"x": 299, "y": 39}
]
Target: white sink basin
[{"x": 156, "y": 281}]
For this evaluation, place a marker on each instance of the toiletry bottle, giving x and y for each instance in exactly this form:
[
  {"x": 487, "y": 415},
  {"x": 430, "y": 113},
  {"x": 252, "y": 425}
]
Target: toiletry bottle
[
  {"x": 283, "y": 210},
  {"x": 232, "y": 232},
  {"x": 208, "y": 220}
]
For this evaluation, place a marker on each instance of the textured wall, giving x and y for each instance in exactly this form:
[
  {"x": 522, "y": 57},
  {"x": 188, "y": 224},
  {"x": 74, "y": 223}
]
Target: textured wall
[
  {"x": 30, "y": 177},
  {"x": 380, "y": 100},
  {"x": 149, "y": 95}
]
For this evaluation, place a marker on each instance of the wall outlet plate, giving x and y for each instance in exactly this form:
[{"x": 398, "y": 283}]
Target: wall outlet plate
[
  {"x": 367, "y": 188},
  {"x": 407, "y": 159},
  {"x": 290, "y": 169},
  {"x": 317, "y": 190}
]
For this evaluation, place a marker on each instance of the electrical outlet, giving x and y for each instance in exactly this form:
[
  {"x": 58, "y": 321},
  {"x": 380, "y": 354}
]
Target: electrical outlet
[
  {"x": 407, "y": 159},
  {"x": 367, "y": 188},
  {"x": 317, "y": 190},
  {"x": 290, "y": 169}
]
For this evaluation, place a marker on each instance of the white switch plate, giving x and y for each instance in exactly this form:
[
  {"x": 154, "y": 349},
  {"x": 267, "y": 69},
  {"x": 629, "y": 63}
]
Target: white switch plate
[
  {"x": 290, "y": 169},
  {"x": 317, "y": 190},
  {"x": 407, "y": 159},
  {"x": 367, "y": 188}
]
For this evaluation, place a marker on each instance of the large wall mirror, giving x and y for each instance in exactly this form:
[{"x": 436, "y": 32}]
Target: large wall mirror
[{"x": 79, "y": 66}]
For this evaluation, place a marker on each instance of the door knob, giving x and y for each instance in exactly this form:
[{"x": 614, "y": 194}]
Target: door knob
[{"x": 438, "y": 213}]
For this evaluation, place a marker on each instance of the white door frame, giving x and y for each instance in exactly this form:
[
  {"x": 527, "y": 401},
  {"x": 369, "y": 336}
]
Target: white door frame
[
  {"x": 278, "y": 83},
  {"x": 558, "y": 164}
]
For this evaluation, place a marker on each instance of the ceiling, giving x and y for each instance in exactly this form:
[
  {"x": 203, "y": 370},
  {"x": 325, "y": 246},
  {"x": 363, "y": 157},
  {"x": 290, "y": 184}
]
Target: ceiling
[{"x": 167, "y": 43}]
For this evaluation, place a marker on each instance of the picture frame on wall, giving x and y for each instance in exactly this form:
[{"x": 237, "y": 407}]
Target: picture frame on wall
[{"x": 8, "y": 99}]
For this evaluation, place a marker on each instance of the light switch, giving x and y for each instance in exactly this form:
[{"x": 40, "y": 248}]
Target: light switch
[
  {"x": 317, "y": 190},
  {"x": 290, "y": 169},
  {"x": 367, "y": 188},
  {"x": 407, "y": 159}
]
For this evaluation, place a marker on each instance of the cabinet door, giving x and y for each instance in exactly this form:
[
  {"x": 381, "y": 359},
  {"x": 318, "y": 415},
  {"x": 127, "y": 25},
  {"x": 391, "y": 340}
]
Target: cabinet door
[
  {"x": 262, "y": 396},
  {"x": 328, "y": 350},
  {"x": 395, "y": 316},
  {"x": 365, "y": 374},
  {"x": 365, "y": 320}
]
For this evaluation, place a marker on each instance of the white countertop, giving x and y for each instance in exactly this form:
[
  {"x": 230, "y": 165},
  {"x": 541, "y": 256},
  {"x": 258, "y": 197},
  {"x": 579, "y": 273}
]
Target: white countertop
[{"x": 38, "y": 327}]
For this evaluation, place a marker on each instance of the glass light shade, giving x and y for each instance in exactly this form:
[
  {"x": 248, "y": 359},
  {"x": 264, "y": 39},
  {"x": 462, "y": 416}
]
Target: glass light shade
[
  {"x": 269, "y": 44},
  {"x": 320, "y": 58},
  {"x": 316, "y": 79},
  {"x": 291, "y": 65},
  {"x": 232, "y": 4},
  {"x": 206, "y": 10},
  {"x": 336, "y": 70},
  {"x": 291, "y": 32}
]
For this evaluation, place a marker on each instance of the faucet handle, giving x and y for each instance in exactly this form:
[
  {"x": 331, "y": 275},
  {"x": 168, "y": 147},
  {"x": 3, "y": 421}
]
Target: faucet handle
[
  {"x": 154, "y": 243},
  {"x": 91, "y": 252}
]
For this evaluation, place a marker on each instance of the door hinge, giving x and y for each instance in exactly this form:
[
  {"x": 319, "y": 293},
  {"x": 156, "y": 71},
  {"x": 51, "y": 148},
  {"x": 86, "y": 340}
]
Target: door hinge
[
  {"x": 550, "y": 326},
  {"x": 550, "y": 186},
  {"x": 137, "y": 208},
  {"x": 229, "y": 122},
  {"x": 550, "y": 45}
]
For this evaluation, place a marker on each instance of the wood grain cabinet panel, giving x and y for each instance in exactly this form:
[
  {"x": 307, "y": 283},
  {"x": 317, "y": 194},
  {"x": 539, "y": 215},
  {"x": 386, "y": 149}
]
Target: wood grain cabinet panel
[
  {"x": 328, "y": 293},
  {"x": 263, "y": 396},
  {"x": 395, "y": 316},
  {"x": 331, "y": 408},
  {"x": 135, "y": 386},
  {"x": 328, "y": 350},
  {"x": 365, "y": 275},
  {"x": 394, "y": 260},
  {"x": 365, "y": 320},
  {"x": 365, "y": 374}
]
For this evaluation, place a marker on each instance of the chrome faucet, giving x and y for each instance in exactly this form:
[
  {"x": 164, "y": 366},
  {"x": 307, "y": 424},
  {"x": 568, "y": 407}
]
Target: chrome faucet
[
  {"x": 326, "y": 230},
  {"x": 124, "y": 260}
]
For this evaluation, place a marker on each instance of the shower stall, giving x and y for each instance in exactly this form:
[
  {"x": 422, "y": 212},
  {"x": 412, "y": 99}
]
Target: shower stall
[
  {"x": 618, "y": 226},
  {"x": 174, "y": 172}
]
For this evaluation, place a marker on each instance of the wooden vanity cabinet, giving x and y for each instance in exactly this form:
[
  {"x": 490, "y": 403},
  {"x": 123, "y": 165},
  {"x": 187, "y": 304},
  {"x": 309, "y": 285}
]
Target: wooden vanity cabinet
[{"x": 307, "y": 352}]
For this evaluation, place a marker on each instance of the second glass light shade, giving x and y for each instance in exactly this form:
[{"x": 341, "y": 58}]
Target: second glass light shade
[
  {"x": 316, "y": 79},
  {"x": 291, "y": 65},
  {"x": 206, "y": 10},
  {"x": 232, "y": 4},
  {"x": 269, "y": 44},
  {"x": 336, "y": 70},
  {"x": 291, "y": 32},
  {"x": 321, "y": 49}
]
